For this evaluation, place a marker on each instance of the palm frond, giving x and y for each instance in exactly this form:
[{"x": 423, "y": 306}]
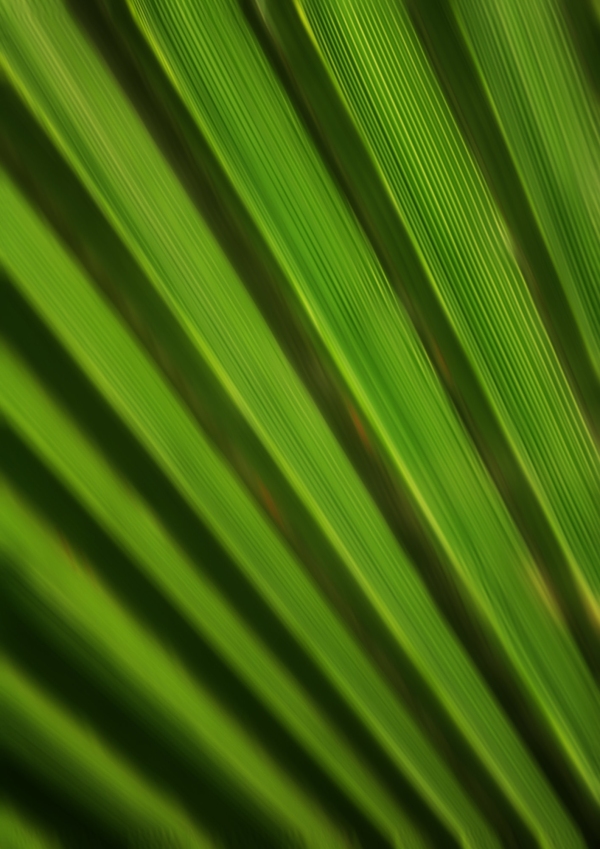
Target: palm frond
[{"x": 299, "y": 398}]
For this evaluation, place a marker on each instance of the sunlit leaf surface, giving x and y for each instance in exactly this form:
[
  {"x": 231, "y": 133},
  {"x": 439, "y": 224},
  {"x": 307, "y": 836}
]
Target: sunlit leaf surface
[{"x": 299, "y": 416}]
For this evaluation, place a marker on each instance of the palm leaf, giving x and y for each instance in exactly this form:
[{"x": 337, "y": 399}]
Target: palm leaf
[{"x": 299, "y": 365}]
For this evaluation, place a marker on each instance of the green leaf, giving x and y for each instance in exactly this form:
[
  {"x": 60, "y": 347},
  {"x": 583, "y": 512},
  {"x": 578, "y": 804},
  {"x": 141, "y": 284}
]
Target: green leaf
[{"x": 299, "y": 381}]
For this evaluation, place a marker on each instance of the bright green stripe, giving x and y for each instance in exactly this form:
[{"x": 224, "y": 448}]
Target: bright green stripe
[
  {"x": 265, "y": 154},
  {"x": 370, "y": 195},
  {"x": 56, "y": 747},
  {"x": 130, "y": 523},
  {"x": 17, "y": 832},
  {"x": 536, "y": 84},
  {"x": 138, "y": 672},
  {"x": 462, "y": 82},
  {"x": 402, "y": 113},
  {"x": 237, "y": 344},
  {"x": 100, "y": 346}
]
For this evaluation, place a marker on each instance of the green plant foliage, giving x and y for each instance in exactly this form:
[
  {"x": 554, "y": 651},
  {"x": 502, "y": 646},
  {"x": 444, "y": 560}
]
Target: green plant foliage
[{"x": 299, "y": 416}]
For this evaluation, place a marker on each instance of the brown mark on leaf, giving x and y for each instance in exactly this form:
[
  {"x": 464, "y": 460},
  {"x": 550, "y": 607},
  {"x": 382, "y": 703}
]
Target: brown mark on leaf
[{"x": 269, "y": 503}]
